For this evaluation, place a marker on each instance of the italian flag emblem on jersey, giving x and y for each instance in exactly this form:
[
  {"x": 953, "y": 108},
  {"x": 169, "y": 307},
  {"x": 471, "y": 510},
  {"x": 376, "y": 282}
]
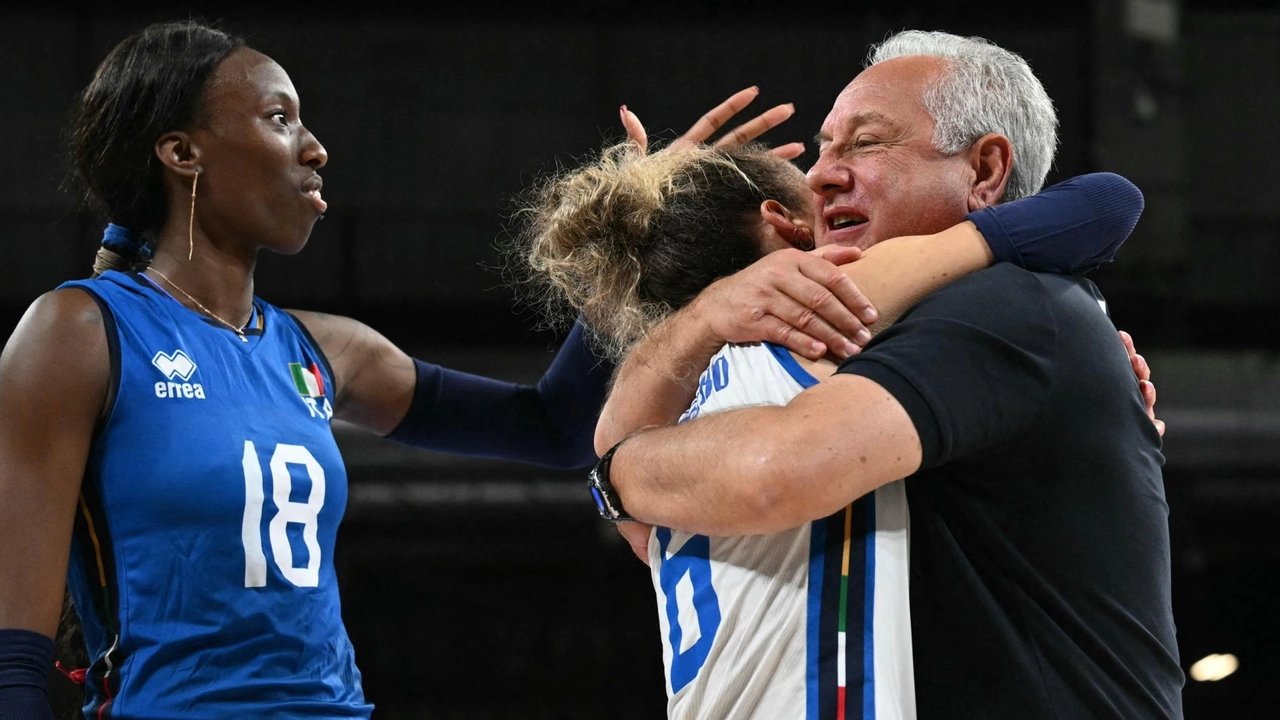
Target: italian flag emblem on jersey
[{"x": 307, "y": 379}]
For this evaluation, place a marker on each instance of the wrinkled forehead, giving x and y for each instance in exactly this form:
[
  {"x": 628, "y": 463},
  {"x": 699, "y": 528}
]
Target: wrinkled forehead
[{"x": 891, "y": 91}]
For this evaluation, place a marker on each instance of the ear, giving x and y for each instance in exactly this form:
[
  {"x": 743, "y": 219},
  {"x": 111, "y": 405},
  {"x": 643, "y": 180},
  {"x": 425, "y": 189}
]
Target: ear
[
  {"x": 178, "y": 153},
  {"x": 991, "y": 158},
  {"x": 785, "y": 227}
]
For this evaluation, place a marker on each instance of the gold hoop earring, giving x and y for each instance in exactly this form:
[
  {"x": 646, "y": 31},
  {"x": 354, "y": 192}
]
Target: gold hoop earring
[{"x": 191, "y": 223}]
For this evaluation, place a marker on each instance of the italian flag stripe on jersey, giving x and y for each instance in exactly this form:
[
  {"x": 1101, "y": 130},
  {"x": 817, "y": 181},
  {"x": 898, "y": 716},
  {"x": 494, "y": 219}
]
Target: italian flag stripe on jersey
[
  {"x": 842, "y": 623},
  {"x": 308, "y": 380},
  {"x": 841, "y": 587}
]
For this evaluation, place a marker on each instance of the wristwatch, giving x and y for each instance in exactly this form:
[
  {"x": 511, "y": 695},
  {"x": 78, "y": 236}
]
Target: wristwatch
[{"x": 607, "y": 500}]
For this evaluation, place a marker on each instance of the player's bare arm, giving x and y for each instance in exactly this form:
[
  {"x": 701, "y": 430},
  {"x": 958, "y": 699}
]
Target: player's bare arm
[
  {"x": 378, "y": 388},
  {"x": 375, "y": 379},
  {"x": 799, "y": 300},
  {"x": 658, "y": 379},
  {"x": 54, "y": 380},
  {"x": 766, "y": 469},
  {"x": 716, "y": 475}
]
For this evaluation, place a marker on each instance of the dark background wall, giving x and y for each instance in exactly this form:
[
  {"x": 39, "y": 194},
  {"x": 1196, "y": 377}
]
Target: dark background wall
[{"x": 489, "y": 590}]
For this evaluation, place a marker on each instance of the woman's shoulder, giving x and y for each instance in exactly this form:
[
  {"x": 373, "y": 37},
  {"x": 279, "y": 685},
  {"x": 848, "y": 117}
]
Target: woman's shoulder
[
  {"x": 62, "y": 340},
  {"x": 70, "y": 308}
]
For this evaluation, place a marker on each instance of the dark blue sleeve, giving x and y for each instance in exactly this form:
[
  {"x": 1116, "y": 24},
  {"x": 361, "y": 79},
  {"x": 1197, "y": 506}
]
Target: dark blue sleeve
[
  {"x": 26, "y": 658},
  {"x": 1069, "y": 228},
  {"x": 552, "y": 423}
]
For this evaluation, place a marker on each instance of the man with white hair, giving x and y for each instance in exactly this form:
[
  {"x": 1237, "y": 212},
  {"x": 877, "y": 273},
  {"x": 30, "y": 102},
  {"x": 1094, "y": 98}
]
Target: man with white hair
[{"x": 1036, "y": 535}]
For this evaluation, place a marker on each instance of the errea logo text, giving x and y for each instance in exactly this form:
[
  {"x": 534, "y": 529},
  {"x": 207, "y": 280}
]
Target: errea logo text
[{"x": 177, "y": 367}]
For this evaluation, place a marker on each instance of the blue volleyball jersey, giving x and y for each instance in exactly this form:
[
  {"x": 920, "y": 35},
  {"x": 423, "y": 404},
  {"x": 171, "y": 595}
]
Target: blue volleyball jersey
[{"x": 202, "y": 561}]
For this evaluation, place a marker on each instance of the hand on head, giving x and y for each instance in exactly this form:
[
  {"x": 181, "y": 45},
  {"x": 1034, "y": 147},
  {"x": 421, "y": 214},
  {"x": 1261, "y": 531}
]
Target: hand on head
[{"x": 715, "y": 119}]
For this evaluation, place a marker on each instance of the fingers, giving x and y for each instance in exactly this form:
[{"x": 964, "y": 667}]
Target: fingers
[
  {"x": 844, "y": 289},
  {"x": 635, "y": 130},
  {"x": 637, "y": 536},
  {"x": 783, "y": 326},
  {"x": 790, "y": 151},
  {"x": 717, "y": 117},
  {"x": 1139, "y": 363},
  {"x": 1140, "y": 367},
  {"x": 1127, "y": 339},
  {"x": 1143, "y": 372},
  {"x": 708, "y": 124},
  {"x": 1149, "y": 397},
  {"x": 822, "y": 303},
  {"x": 757, "y": 126},
  {"x": 755, "y": 305},
  {"x": 837, "y": 254},
  {"x": 798, "y": 300}
]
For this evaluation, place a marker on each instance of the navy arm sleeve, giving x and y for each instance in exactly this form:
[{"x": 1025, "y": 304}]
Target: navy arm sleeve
[
  {"x": 972, "y": 364},
  {"x": 551, "y": 424},
  {"x": 26, "y": 658},
  {"x": 1069, "y": 228}
]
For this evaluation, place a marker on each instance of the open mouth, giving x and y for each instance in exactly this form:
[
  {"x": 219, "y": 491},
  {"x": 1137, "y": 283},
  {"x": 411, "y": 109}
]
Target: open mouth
[
  {"x": 316, "y": 200},
  {"x": 311, "y": 188},
  {"x": 842, "y": 221}
]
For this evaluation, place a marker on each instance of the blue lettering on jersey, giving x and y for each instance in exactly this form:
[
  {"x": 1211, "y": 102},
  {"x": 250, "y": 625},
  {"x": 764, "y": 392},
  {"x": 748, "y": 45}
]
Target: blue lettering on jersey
[
  {"x": 714, "y": 379},
  {"x": 693, "y": 559}
]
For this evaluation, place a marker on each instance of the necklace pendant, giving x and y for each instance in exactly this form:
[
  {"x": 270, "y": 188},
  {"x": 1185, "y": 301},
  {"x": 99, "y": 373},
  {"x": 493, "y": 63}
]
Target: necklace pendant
[{"x": 243, "y": 339}]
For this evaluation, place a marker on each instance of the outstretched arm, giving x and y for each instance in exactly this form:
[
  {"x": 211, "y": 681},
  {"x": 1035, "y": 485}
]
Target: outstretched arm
[
  {"x": 381, "y": 388},
  {"x": 1076, "y": 224},
  {"x": 802, "y": 301}
]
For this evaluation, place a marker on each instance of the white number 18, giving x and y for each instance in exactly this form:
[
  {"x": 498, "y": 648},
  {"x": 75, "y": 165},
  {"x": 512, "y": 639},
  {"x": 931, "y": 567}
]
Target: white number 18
[{"x": 305, "y": 514}]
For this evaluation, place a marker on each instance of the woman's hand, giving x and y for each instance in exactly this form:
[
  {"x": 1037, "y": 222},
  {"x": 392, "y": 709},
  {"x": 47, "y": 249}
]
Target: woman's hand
[
  {"x": 1143, "y": 373},
  {"x": 800, "y": 300},
  {"x": 716, "y": 118},
  {"x": 637, "y": 536}
]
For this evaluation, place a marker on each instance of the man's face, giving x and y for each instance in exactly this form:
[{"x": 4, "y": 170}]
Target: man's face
[{"x": 877, "y": 174}]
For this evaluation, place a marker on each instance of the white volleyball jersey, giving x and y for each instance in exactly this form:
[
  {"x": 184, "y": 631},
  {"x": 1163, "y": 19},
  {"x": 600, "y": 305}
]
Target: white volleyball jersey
[{"x": 812, "y": 623}]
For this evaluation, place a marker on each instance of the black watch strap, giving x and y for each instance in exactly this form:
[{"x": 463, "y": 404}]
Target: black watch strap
[{"x": 607, "y": 500}]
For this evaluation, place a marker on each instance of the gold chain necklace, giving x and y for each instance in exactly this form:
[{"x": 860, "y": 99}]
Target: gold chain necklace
[{"x": 237, "y": 330}]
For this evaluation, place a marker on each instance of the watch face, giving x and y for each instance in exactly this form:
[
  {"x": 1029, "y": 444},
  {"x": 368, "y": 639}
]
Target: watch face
[{"x": 606, "y": 501}]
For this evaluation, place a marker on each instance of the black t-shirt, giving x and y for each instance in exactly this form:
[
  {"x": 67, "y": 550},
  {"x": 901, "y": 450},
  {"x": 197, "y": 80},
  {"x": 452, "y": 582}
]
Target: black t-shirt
[{"x": 1039, "y": 532}]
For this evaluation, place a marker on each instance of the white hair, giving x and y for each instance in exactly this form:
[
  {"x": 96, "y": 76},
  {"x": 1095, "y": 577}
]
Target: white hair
[{"x": 984, "y": 89}]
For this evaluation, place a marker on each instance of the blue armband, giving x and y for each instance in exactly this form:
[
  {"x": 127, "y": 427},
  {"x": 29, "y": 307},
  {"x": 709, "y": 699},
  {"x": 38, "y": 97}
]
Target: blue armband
[
  {"x": 551, "y": 424},
  {"x": 1070, "y": 228},
  {"x": 26, "y": 659}
]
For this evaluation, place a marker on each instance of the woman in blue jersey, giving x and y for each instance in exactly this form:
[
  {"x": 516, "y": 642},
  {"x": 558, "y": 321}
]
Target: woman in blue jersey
[
  {"x": 748, "y": 624},
  {"x": 165, "y": 442}
]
